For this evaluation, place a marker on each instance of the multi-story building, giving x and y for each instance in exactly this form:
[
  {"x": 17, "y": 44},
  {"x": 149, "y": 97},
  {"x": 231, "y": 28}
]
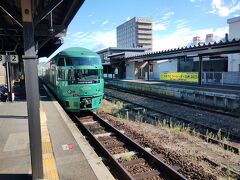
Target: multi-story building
[
  {"x": 196, "y": 40},
  {"x": 137, "y": 32},
  {"x": 209, "y": 38}
]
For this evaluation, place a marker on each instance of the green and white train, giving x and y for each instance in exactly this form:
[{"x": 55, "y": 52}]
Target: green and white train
[{"x": 75, "y": 75}]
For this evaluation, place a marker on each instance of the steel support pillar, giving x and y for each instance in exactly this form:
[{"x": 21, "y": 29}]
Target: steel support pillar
[
  {"x": 107, "y": 71},
  {"x": 200, "y": 70},
  {"x": 148, "y": 73},
  {"x": 8, "y": 78},
  {"x": 32, "y": 90},
  {"x": 33, "y": 106}
]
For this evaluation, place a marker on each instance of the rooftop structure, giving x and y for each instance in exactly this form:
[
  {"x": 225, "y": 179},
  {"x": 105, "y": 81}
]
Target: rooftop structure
[{"x": 105, "y": 54}]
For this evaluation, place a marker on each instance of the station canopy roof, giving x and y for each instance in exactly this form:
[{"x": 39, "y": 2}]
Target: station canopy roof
[{"x": 50, "y": 18}]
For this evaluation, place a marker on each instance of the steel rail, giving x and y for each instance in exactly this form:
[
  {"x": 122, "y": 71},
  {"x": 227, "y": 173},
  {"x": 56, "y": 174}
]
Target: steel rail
[{"x": 162, "y": 167}]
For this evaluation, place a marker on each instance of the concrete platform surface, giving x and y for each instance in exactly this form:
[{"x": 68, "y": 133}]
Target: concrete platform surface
[
  {"x": 14, "y": 141},
  {"x": 75, "y": 158},
  {"x": 66, "y": 153}
]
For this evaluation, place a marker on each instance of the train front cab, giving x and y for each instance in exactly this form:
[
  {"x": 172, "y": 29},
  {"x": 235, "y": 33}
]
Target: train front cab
[{"x": 81, "y": 88}]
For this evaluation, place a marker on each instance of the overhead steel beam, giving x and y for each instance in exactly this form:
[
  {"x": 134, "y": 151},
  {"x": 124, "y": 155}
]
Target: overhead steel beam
[
  {"x": 52, "y": 5},
  {"x": 72, "y": 8},
  {"x": 11, "y": 12},
  {"x": 12, "y": 38},
  {"x": 59, "y": 31},
  {"x": 43, "y": 43},
  {"x": 41, "y": 30}
]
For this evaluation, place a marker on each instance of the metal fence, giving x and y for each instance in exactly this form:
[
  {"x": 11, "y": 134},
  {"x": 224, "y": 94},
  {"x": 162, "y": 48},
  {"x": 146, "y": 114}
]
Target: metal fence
[{"x": 224, "y": 78}]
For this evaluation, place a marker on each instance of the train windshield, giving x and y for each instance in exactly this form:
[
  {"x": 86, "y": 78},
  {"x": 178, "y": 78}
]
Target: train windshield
[
  {"x": 84, "y": 76},
  {"x": 79, "y": 61}
]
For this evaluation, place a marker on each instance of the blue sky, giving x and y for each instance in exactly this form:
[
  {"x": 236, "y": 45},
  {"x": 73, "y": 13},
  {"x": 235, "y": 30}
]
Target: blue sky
[{"x": 175, "y": 22}]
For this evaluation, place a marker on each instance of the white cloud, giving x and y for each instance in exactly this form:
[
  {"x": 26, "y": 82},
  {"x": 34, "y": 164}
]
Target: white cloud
[
  {"x": 223, "y": 9},
  {"x": 181, "y": 24},
  {"x": 105, "y": 22},
  {"x": 90, "y": 15},
  {"x": 94, "y": 41},
  {"x": 183, "y": 37},
  {"x": 193, "y": 1},
  {"x": 167, "y": 15},
  {"x": 159, "y": 27}
]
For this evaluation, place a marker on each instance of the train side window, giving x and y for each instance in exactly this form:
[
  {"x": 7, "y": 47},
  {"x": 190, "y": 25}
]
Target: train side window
[
  {"x": 52, "y": 66},
  {"x": 61, "y": 62},
  {"x": 61, "y": 74},
  {"x": 69, "y": 62}
]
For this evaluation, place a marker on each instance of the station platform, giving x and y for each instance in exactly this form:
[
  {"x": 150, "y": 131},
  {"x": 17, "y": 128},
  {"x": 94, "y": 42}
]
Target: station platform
[
  {"x": 223, "y": 97},
  {"x": 233, "y": 89},
  {"x": 66, "y": 153}
]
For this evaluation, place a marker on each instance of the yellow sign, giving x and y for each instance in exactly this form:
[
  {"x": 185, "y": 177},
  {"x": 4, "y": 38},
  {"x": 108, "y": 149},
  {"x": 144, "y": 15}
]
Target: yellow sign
[{"x": 179, "y": 76}]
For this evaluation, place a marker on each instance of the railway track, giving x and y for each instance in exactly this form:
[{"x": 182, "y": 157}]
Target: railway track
[
  {"x": 158, "y": 115},
  {"x": 174, "y": 101},
  {"x": 127, "y": 158}
]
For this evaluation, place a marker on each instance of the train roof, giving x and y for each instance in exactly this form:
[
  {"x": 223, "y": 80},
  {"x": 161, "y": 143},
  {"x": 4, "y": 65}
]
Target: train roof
[{"x": 78, "y": 52}]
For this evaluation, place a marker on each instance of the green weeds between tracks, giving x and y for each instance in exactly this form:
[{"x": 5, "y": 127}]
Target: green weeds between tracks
[{"x": 116, "y": 108}]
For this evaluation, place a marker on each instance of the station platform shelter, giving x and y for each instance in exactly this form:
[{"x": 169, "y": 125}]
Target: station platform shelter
[{"x": 31, "y": 29}]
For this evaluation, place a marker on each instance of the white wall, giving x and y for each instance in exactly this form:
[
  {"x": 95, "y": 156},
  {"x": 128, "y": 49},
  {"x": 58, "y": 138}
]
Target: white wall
[
  {"x": 234, "y": 63},
  {"x": 164, "y": 66},
  {"x": 2, "y": 74},
  {"x": 234, "y": 32},
  {"x": 130, "y": 70},
  {"x": 234, "y": 26}
]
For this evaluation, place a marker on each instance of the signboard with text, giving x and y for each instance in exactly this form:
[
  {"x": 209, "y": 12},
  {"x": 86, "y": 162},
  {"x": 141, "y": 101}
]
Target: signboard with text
[
  {"x": 2, "y": 58},
  {"x": 179, "y": 76},
  {"x": 9, "y": 58},
  {"x": 13, "y": 59}
]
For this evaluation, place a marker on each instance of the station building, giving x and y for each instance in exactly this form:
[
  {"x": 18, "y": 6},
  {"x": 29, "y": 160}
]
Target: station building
[
  {"x": 215, "y": 69},
  {"x": 113, "y": 67}
]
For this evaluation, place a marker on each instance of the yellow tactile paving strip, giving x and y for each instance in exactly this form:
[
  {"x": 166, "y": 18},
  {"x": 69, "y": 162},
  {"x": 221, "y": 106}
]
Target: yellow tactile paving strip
[{"x": 49, "y": 164}]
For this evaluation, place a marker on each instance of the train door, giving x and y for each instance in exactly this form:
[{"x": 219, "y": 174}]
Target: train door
[
  {"x": 60, "y": 82},
  {"x": 53, "y": 74}
]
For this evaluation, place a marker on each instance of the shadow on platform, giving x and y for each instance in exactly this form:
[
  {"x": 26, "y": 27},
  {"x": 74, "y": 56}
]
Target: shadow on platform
[
  {"x": 15, "y": 176},
  {"x": 13, "y": 117}
]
